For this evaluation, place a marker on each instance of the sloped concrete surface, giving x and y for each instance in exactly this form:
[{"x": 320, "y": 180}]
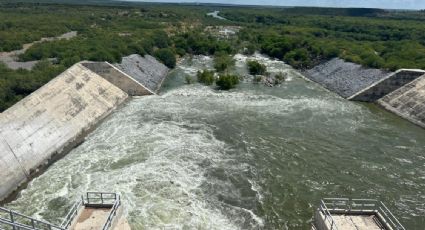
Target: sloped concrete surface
[
  {"x": 120, "y": 79},
  {"x": 52, "y": 119},
  {"x": 408, "y": 101},
  {"x": 387, "y": 85},
  {"x": 146, "y": 70},
  {"x": 344, "y": 78}
]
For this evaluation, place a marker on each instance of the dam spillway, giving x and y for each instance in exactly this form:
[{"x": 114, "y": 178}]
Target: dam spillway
[
  {"x": 57, "y": 117},
  {"x": 400, "y": 92},
  {"x": 251, "y": 158}
]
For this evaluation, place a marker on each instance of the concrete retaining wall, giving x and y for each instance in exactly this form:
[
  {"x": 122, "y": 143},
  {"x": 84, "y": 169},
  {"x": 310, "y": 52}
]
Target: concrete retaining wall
[
  {"x": 408, "y": 101},
  {"x": 51, "y": 121},
  {"x": 118, "y": 78},
  {"x": 387, "y": 85}
]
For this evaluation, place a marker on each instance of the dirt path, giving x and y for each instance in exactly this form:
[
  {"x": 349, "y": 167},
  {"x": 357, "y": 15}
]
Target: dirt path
[{"x": 11, "y": 58}]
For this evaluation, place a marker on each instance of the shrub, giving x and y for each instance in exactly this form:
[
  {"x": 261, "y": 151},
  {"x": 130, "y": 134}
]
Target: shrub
[
  {"x": 226, "y": 82},
  {"x": 257, "y": 79},
  {"x": 280, "y": 77},
  {"x": 206, "y": 77},
  {"x": 166, "y": 56},
  {"x": 189, "y": 80},
  {"x": 256, "y": 68},
  {"x": 223, "y": 62}
]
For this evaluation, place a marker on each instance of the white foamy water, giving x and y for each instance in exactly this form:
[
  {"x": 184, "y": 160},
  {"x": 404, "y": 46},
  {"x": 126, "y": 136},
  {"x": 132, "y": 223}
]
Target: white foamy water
[{"x": 252, "y": 158}]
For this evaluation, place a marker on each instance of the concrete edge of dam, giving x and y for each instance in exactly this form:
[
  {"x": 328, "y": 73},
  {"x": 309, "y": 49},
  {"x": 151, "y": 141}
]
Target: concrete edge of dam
[
  {"x": 387, "y": 85},
  {"x": 401, "y": 92},
  {"x": 54, "y": 119},
  {"x": 408, "y": 101}
]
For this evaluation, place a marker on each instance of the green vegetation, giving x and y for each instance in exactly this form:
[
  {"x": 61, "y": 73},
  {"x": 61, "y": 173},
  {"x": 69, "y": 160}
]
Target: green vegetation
[
  {"x": 256, "y": 68},
  {"x": 280, "y": 77},
  {"x": 206, "y": 77},
  {"x": 15, "y": 85},
  {"x": 189, "y": 80},
  {"x": 223, "y": 61},
  {"x": 226, "y": 82},
  {"x": 302, "y": 37},
  {"x": 166, "y": 56}
]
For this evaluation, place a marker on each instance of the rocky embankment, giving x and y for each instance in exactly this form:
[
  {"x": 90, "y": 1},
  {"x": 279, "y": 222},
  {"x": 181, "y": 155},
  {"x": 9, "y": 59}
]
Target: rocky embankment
[
  {"x": 401, "y": 92},
  {"x": 146, "y": 70},
  {"x": 344, "y": 78}
]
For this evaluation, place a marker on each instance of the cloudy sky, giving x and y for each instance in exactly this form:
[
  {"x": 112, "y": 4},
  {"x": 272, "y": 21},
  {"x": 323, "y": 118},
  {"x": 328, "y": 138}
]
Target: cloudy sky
[{"x": 387, "y": 4}]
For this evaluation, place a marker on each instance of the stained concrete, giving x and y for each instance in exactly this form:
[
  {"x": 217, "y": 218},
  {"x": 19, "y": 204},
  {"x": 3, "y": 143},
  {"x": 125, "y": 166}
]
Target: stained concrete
[
  {"x": 51, "y": 121},
  {"x": 387, "y": 85},
  {"x": 146, "y": 70},
  {"x": 408, "y": 101},
  {"x": 55, "y": 118},
  {"x": 120, "y": 79}
]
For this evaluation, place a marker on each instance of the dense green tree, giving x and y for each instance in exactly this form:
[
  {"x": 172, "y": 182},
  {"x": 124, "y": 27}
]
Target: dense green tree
[
  {"x": 226, "y": 82},
  {"x": 256, "y": 68},
  {"x": 206, "y": 77},
  {"x": 223, "y": 62},
  {"x": 166, "y": 56}
]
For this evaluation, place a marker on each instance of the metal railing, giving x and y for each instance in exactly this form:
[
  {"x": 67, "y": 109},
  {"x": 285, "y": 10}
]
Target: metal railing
[
  {"x": 100, "y": 198},
  {"x": 104, "y": 199},
  {"x": 16, "y": 221},
  {"x": 358, "y": 206},
  {"x": 112, "y": 214},
  {"x": 328, "y": 217},
  {"x": 73, "y": 212}
]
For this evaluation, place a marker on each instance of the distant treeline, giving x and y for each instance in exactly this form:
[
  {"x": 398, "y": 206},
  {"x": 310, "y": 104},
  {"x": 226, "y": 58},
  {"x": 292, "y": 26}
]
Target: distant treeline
[
  {"x": 301, "y": 36},
  {"x": 301, "y": 40}
]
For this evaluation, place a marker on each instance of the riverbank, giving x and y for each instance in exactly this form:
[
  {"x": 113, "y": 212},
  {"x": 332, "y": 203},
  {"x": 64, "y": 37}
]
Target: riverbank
[{"x": 11, "y": 59}]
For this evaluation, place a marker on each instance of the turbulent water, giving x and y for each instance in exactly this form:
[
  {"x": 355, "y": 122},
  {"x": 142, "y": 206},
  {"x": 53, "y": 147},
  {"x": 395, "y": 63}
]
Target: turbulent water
[{"x": 251, "y": 158}]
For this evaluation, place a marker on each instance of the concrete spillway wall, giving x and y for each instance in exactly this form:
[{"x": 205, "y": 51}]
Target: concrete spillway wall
[
  {"x": 387, "y": 85},
  {"x": 401, "y": 92},
  {"x": 120, "y": 79},
  {"x": 408, "y": 101},
  {"x": 56, "y": 117}
]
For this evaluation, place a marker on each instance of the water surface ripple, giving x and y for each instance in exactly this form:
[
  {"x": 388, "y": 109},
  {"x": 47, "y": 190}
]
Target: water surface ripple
[{"x": 252, "y": 158}]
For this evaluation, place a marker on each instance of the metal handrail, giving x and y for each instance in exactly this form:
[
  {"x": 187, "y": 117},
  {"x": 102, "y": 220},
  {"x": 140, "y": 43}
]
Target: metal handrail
[
  {"x": 328, "y": 217},
  {"x": 112, "y": 214},
  {"x": 104, "y": 198},
  {"x": 73, "y": 212},
  {"x": 94, "y": 198},
  {"x": 35, "y": 224},
  {"x": 100, "y": 196},
  {"x": 362, "y": 205}
]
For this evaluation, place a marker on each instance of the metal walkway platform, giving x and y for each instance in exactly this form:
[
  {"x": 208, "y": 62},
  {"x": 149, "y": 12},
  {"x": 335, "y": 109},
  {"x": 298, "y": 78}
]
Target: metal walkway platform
[
  {"x": 354, "y": 214},
  {"x": 94, "y": 211}
]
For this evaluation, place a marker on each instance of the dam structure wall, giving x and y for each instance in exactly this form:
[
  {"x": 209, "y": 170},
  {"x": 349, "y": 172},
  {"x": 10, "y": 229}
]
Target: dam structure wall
[
  {"x": 55, "y": 118},
  {"x": 387, "y": 85},
  {"x": 408, "y": 101}
]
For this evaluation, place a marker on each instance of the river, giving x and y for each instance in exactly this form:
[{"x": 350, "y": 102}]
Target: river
[{"x": 252, "y": 158}]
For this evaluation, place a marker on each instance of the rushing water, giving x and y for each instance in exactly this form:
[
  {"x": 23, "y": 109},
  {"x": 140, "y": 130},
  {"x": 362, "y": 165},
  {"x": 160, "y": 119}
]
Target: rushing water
[{"x": 251, "y": 158}]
